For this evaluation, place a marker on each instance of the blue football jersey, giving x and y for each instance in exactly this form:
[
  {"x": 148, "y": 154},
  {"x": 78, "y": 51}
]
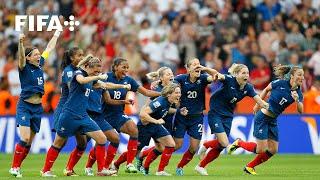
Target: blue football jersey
[
  {"x": 77, "y": 101},
  {"x": 280, "y": 97},
  {"x": 95, "y": 101},
  {"x": 193, "y": 94},
  {"x": 31, "y": 79},
  {"x": 160, "y": 108},
  {"x": 66, "y": 78},
  {"x": 118, "y": 94},
  {"x": 224, "y": 100}
]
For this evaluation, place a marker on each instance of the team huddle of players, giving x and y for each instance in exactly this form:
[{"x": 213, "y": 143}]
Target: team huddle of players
[{"x": 92, "y": 106}]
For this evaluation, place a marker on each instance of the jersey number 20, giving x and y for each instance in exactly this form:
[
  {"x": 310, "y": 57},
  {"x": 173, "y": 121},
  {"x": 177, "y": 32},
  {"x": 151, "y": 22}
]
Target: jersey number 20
[{"x": 192, "y": 94}]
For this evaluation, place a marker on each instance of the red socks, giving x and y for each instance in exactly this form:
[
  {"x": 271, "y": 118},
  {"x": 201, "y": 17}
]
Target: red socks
[
  {"x": 111, "y": 153},
  {"x": 212, "y": 144},
  {"x": 132, "y": 149},
  {"x": 100, "y": 155},
  {"x": 91, "y": 158},
  {"x": 260, "y": 158},
  {"x": 20, "y": 153},
  {"x": 212, "y": 155},
  {"x": 187, "y": 157},
  {"x": 52, "y": 155},
  {"x": 74, "y": 157},
  {"x": 146, "y": 152},
  {"x": 151, "y": 157},
  {"x": 122, "y": 158},
  {"x": 249, "y": 146},
  {"x": 166, "y": 155}
]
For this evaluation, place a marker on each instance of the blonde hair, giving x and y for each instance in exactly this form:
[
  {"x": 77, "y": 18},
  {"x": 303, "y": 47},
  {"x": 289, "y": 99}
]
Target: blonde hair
[
  {"x": 280, "y": 71},
  {"x": 189, "y": 61},
  {"x": 155, "y": 75},
  {"x": 89, "y": 60},
  {"x": 169, "y": 89},
  {"x": 236, "y": 68}
]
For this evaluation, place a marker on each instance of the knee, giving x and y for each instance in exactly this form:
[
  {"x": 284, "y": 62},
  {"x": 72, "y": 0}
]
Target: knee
[
  {"x": 193, "y": 149},
  {"x": 224, "y": 143},
  {"x": 82, "y": 143},
  {"x": 273, "y": 150},
  {"x": 171, "y": 144},
  {"x": 27, "y": 140},
  {"x": 114, "y": 138},
  {"x": 261, "y": 149},
  {"x": 159, "y": 147},
  {"x": 133, "y": 131},
  {"x": 178, "y": 145},
  {"x": 59, "y": 142},
  {"x": 101, "y": 140}
]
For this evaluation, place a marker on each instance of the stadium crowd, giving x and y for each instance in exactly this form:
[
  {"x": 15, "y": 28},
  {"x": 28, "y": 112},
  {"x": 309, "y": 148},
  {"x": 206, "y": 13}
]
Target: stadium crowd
[{"x": 155, "y": 33}]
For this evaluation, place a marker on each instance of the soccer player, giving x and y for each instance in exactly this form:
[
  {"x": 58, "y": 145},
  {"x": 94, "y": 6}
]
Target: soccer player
[
  {"x": 74, "y": 117},
  {"x": 283, "y": 92},
  {"x": 165, "y": 77},
  {"x": 193, "y": 85},
  {"x": 29, "y": 107},
  {"x": 222, "y": 104},
  {"x": 114, "y": 114},
  {"x": 71, "y": 58},
  {"x": 150, "y": 126},
  {"x": 96, "y": 99}
]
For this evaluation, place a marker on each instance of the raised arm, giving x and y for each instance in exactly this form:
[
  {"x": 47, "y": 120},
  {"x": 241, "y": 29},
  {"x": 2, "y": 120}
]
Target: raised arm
[
  {"x": 148, "y": 92},
  {"x": 21, "y": 52},
  {"x": 53, "y": 41},
  {"x": 295, "y": 96}
]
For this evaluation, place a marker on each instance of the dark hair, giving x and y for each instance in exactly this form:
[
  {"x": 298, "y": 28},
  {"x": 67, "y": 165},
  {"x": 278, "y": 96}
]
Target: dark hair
[
  {"x": 116, "y": 62},
  {"x": 66, "y": 61},
  {"x": 28, "y": 51}
]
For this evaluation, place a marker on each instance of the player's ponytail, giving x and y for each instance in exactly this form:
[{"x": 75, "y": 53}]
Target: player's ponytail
[
  {"x": 280, "y": 71},
  {"x": 157, "y": 74},
  {"x": 66, "y": 61},
  {"x": 235, "y": 69},
  {"x": 116, "y": 62},
  {"x": 169, "y": 89}
]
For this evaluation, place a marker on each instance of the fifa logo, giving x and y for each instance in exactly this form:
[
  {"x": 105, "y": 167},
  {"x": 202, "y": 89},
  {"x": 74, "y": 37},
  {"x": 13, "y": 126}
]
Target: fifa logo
[{"x": 43, "y": 20}]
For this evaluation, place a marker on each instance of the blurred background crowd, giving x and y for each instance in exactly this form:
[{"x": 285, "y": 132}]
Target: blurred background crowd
[{"x": 155, "y": 33}]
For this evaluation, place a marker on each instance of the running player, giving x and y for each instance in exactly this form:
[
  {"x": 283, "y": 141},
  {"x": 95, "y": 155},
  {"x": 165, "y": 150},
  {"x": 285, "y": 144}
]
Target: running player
[
  {"x": 284, "y": 91},
  {"x": 96, "y": 99},
  {"x": 150, "y": 126},
  {"x": 74, "y": 117},
  {"x": 114, "y": 113},
  {"x": 71, "y": 58},
  {"x": 193, "y": 85},
  {"x": 222, "y": 104},
  {"x": 29, "y": 107}
]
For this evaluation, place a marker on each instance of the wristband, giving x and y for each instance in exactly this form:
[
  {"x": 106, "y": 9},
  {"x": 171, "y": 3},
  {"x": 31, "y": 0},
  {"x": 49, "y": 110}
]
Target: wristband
[{"x": 57, "y": 33}]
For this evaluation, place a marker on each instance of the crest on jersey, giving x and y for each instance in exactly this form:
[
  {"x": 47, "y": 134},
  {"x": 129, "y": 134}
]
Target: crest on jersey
[
  {"x": 199, "y": 81},
  {"x": 69, "y": 74}
]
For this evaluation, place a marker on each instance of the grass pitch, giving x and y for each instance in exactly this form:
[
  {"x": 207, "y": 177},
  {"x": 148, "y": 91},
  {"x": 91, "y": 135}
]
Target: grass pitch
[{"x": 300, "y": 167}]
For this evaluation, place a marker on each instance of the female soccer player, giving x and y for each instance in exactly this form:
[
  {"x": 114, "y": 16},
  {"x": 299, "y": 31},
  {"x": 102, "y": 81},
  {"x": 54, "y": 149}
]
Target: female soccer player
[
  {"x": 29, "y": 107},
  {"x": 74, "y": 117},
  {"x": 222, "y": 104},
  {"x": 193, "y": 85},
  {"x": 96, "y": 99},
  {"x": 71, "y": 58},
  {"x": 150, "y": 126},
  {"x": 114, "y": 113},
  {"x": 284, "y": 92},
  {"x": 163, "y": 76}
]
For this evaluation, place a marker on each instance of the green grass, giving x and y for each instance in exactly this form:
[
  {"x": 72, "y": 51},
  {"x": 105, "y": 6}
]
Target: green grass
[{"x": 225, "y": 167}]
